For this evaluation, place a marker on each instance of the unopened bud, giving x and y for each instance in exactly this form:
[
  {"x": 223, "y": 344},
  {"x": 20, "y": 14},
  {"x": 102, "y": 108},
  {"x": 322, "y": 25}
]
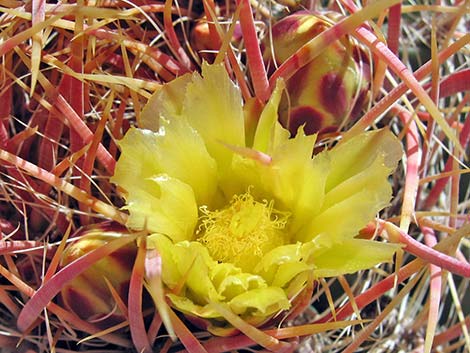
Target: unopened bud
[
  {"x": 88, "y": 295},
  {"x": 330, "y": 90}
]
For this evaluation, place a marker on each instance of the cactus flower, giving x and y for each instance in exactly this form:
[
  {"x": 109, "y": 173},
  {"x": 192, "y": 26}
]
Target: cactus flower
[
  {"x": 329, "y": 90},
  {"x": 89, "y": 294},
  {"x": 247, "y": 225}
]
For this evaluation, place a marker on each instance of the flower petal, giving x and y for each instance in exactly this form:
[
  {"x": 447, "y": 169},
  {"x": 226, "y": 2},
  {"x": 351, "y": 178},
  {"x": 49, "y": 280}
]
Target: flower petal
[
  {"x": 297, "y": 180},
  {"x": 288, "y": 271},
  {"x": 165, "y": 205},
  {"x": 187, "y": 306},
  {"x": 213, "y": 106},
  {"x": 357, "y": 187},
  {"x": 282, "y": 264},
  {"x": 167, "y": 102},
  {"x": 351, "y": 256},
  {"x": 137, "y": 162},
  {"x": 222, "y": 271},
  {"x": 261, "y": 302},
  {"x": 265, "y": 135},
  {"x": 197, "y": 266},
  {"x": 173, "y": 150},
  {"x": 170, "y": 274},
  {"x": 235, "y": 285},
  {"x": 182, "y": 154},
  {"x": 186, "y": 266},
  {"x": 349, "y": 207},
  {"x": 358, "y": 153},
  {"x": 374, "y": 179}
]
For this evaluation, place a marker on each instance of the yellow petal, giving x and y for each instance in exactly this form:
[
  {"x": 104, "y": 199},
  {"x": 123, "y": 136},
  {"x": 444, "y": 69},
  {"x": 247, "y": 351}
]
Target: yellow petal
[
  {"x": 187, "y": 265},
  {"x": 187, "y": 306},
  {"x": 174, "y": 150},
  {"x": 351, "y": 256},
  {"x": 373, "y": 181},
  {"x": 264, "y": 140},
  {"x": 261, "y": 302},
  {"x": 182, "y": 154},
  {"x": 165, "y": 205},
  {"x": 167, "y": 102},
  {"x": 356, "y": 187},
  {"x": 222, "y": 271},
  {"x": 288, "y": 271},
  {"x": 350, "y": 206},
  {"x": 235, "y": 285},
  {"x": 282, "y": 264},
  {"x": 213, "y": 106},
  {"x": 195, "y": 264},
  {"x": 296, "y": 180},
  {"x": 137, "y": 162},
  {"x": 358, "y": 153},
  {"x": 244, "y": 173},
  {"x": 156, "y": 202},
  {"x": 170, "y": 274}
]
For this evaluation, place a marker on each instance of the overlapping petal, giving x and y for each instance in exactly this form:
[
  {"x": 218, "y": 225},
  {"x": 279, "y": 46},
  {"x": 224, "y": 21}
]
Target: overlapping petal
[
  {"x": 153, "y": 169},
  {"x": 213, "y": 106},
  {"x": 167, "y": 205},
  {"x": 206, "y": 281},
  {"x": 356, "y": 187}
]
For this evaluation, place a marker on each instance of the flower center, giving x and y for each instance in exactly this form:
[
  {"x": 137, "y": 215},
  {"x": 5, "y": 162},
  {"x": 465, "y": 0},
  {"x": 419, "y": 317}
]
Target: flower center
[{"x": 244, "y": 231}]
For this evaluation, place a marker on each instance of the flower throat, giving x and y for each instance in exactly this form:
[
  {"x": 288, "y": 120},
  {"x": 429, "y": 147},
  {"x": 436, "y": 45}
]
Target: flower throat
[{"x": 243, "y": 231}]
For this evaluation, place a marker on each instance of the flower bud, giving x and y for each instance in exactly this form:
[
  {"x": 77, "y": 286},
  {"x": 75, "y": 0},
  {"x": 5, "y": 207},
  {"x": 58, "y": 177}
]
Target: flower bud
[
  {"x": 330, "y": 90},
  {"x": 88, "y": 295},
  {"x": 201, "y": 42}
]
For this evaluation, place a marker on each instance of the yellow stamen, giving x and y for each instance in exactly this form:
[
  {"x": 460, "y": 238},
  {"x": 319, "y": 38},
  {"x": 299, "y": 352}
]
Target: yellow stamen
[{"x": 244, "y": 231}]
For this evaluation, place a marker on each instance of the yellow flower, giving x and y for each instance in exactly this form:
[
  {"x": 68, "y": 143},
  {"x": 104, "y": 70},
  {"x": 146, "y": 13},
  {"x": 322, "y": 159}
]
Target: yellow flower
[{"x": 246, "y": 218}]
